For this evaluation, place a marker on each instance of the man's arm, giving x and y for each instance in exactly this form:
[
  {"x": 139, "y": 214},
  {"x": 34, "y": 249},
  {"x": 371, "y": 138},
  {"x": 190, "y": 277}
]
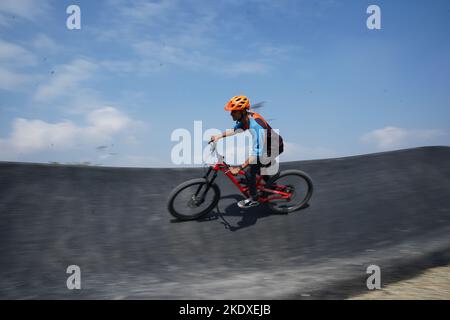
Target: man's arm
[
  {"x": 227, "y": 133},
  {"x": 251, "y": 159},
  {"x": 235, "y": 170}
]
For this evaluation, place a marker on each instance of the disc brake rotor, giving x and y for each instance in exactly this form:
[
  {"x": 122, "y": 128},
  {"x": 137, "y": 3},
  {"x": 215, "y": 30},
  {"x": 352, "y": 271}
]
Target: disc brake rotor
[{"x": 194, "y": 202}]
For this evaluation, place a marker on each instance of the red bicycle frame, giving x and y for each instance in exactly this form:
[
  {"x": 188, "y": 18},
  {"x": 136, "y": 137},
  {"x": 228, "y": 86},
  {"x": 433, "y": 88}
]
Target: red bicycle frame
[{"x": 274, "y": 194}]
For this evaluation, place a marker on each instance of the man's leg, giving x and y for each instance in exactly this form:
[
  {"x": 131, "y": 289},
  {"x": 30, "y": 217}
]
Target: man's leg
[
  {"x": 254, "y": 170},
  {"x": 270, "y": 171}
]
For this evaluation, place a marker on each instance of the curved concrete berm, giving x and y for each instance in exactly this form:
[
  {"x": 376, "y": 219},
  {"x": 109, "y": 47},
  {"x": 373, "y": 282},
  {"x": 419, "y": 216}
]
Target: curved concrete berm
[{"x": 389, "y": 209}]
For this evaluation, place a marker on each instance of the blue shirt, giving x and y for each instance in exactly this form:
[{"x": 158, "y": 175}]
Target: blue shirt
[{"x": 258, "y": 135}]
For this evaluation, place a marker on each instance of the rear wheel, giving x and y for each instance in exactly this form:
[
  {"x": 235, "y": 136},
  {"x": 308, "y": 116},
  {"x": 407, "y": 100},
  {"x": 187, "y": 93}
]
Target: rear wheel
[
  {"x": 190, "y": 200},
  {"x": 296, "y": 182}
]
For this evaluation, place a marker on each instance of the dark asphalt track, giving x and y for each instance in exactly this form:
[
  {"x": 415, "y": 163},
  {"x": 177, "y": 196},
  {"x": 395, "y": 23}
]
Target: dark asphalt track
[{"x": 390, "y": 209}]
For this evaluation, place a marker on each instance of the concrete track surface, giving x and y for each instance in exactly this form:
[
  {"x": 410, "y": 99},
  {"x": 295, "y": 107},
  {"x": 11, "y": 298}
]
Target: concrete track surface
[{"x": 391, "y": 209}]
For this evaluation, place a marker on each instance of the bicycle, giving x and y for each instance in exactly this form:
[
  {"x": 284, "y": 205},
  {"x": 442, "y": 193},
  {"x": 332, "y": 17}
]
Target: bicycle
[{"x": 197, "y": 200}]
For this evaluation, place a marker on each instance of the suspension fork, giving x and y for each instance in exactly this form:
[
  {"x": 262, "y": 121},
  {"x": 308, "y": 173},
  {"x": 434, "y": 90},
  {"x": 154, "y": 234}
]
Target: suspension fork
[{"x": 208, "y": 183}]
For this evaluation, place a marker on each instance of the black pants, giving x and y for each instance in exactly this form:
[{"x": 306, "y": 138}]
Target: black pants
[{"x": 251, "y": 173}]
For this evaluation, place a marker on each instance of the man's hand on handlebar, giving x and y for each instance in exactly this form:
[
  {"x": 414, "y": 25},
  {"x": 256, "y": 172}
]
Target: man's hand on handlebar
[
  {"x": 215, "y": 138},
  {"x": 235, "y": 170}
]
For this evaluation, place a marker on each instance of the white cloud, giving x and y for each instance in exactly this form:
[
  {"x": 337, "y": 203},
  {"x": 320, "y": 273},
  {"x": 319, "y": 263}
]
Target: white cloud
[
  {"x": 249, "y": 67},
  {"x": 145, "y": 10},
  {"x": 12, "y": 58},
  {"x": 45, "y": 44},
  {"x": 65, "y": 81},
  {"x": 29, "y": 136},
  {"x": 106, "y": 121},
  {"x": 164, "y": 53},
  {"x": 4, "y": 21},
  {"x": 183, "y": 41},
  {"x": 391, "y": 137},
  {"x": 13, "y": 54},
  {"x": 154, "y": 53},
  {"x": 13, "y": 81},
  {"x": 119, "y": 66},
  {"x": 28, "y": 9}
]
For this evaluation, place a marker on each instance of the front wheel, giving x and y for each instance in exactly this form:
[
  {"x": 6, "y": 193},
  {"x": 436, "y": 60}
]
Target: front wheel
[
  {"x": 295, "y": 182},
  {"x": 193, "y": 199}
]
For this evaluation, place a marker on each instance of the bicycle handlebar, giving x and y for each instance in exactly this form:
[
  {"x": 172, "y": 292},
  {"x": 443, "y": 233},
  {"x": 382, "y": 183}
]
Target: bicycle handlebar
[
  {"x": 216, "y": 153},
  {"x": 219, "y": 156}
]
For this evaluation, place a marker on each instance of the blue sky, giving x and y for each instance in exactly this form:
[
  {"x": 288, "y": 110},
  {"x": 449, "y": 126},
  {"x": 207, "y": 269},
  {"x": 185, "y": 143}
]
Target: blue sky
[{"x": 138, "y": 70}]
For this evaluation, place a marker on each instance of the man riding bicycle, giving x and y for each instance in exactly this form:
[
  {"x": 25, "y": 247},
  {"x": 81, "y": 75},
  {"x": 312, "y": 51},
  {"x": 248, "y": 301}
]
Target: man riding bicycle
[{"x": 266, "y": 144}]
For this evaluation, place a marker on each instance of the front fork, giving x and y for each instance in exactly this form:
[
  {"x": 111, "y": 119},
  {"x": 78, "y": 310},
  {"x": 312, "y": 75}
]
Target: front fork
[{"x": 208, "y": 185}]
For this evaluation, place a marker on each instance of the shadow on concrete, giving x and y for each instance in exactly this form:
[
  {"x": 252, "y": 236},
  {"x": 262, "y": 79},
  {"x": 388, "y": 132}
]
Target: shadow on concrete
[{"x": 249, "y": 217}]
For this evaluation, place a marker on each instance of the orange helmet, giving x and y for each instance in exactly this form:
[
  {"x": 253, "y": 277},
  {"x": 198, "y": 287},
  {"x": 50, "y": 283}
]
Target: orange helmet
[{"x": 238, "y": 103}]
